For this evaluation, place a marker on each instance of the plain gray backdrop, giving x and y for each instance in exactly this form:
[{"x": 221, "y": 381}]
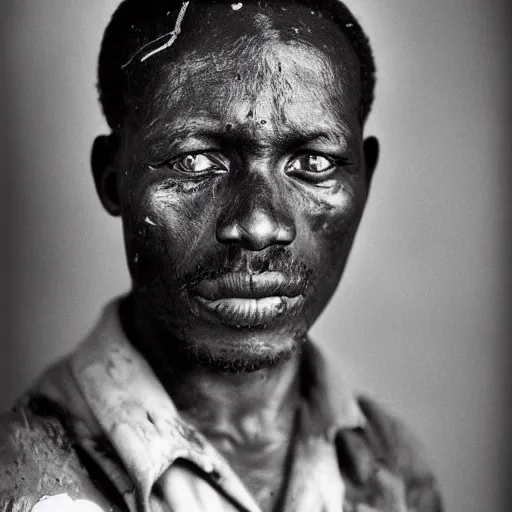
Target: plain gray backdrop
[{"x": 419, "y": 319}]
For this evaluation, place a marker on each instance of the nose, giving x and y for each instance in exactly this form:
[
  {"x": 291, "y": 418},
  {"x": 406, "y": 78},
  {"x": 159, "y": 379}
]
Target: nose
[{"x": 256, "y": 217}]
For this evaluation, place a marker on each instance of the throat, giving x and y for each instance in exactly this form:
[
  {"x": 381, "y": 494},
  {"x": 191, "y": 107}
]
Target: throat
[
  {"x": 250, "y": 419},
  {"x": 263, "y": 465},
  {"x": 258, "y": 449}
]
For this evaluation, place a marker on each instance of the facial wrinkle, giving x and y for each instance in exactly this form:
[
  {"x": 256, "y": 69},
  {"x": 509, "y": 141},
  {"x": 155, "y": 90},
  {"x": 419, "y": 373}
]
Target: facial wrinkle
[
  {"x": 266, "y": 83},
  {"x": 283, "y": 75},
  {"x": 222, "y": 67}
]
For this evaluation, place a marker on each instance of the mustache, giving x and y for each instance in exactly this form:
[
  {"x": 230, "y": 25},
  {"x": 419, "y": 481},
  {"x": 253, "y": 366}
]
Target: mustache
[{"x": 235, "y": 259}]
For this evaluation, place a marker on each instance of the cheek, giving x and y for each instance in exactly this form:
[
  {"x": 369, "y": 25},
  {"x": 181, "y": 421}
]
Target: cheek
[
  {"x": 176, "y": 219},
  {"x": 166, "y": 226},
  {"x": 329, "y": 225},
  {"x": 331, "y": 221}
]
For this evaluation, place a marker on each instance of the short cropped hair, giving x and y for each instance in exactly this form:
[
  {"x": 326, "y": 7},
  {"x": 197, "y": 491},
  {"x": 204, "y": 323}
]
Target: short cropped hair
[{"x": 136, "y": 23}]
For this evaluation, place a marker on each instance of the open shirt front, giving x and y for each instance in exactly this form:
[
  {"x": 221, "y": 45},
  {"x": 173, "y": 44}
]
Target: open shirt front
[{"x": 348, "y": 454}]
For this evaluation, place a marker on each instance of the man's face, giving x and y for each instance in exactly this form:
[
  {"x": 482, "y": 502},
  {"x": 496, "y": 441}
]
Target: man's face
[{"x": 242, "y": 182}]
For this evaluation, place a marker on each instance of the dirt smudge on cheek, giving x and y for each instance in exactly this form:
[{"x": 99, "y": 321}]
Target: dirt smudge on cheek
[
  {"x": 183, "y": 221},
  {"x": 163, "y": 195},
  {"x": 321, "y": 222},
  {"x": 330, "y": 222},
  {"x": 320, "y": 215},
  {"x": 158, "y": 207}
]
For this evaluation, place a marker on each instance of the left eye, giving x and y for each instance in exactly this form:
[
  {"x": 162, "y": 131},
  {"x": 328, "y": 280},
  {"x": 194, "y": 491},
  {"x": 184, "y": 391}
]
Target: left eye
[
  {"x": 198, "y": 164},
  {"x": 314, "y": 164}
]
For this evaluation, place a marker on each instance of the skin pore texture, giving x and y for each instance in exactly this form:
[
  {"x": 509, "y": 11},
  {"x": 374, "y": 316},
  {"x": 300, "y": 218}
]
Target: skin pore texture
[{"x": 241, "y": 176}]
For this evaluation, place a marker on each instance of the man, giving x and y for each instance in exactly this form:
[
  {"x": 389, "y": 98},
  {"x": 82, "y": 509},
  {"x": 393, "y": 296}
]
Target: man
[{"x": 238, "y": 165}]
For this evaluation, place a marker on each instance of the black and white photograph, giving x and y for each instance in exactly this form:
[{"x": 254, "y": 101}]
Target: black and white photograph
[{"x": 255, "y": 256}]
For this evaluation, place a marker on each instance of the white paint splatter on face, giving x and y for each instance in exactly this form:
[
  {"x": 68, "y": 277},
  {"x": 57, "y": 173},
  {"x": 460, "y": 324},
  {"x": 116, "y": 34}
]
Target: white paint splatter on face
[
  {"x": 147, "y": 220},
  {"x": 237, "y": 7}
]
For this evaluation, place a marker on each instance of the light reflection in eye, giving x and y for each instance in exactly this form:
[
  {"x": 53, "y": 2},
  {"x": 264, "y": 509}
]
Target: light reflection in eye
[
  {"x": 311, "y": 163},
  {"x": 197, "y": 164}
]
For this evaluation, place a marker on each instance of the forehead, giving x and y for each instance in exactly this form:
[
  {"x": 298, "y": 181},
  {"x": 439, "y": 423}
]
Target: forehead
[{"x": 291, "y": 65}]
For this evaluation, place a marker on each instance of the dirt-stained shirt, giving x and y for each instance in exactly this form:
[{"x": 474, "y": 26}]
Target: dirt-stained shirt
[{"x": 99, "y": 433}]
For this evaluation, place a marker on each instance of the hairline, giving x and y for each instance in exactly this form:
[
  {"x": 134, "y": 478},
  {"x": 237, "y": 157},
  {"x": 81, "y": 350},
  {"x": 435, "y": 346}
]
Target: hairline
[{"x": 364, "y": 60}]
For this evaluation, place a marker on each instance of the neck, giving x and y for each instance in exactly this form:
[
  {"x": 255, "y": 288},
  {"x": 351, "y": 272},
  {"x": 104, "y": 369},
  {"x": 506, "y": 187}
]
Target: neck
[
  {"x": 239, "y": 411},
  {"x": 248, "y": 417}
]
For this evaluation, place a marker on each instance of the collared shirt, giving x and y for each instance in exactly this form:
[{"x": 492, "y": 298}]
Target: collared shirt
[{"x": 124, "y": 435}]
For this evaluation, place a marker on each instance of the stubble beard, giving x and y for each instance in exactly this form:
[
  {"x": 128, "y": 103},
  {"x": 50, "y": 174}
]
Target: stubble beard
[{"x": 167, "y": 338}]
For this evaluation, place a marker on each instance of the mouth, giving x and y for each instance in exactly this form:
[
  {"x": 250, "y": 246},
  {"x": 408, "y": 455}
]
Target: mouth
[{"x": 249, "y": 300}]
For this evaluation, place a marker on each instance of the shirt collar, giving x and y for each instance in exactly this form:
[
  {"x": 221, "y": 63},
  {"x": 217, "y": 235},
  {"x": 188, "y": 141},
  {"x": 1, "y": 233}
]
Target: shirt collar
[{"x": 142, "y": 424}]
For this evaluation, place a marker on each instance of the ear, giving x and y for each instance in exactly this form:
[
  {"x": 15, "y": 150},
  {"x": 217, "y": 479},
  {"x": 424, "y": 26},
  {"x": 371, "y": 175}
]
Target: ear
[
  {"x": 104, "y": 171},
  {"x": 371, "y": 150}
]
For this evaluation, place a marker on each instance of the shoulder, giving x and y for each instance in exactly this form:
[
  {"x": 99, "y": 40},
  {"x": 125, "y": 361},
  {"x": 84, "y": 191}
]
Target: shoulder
[
  {"x": 38, "y": 460},
  {"x": 398, "y": 449}
]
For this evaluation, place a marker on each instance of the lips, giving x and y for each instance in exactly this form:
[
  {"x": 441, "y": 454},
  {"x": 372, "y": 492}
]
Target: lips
[
  {"x": 249, "y": 286},
  {"x": 243, "y": 299}
]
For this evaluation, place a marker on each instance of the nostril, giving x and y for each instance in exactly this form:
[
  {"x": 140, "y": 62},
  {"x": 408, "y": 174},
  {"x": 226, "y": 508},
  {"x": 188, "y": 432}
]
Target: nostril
[
  {"x": 286, "y": 234},
  {"x": 255, "y": 237},
  {"x": 228, "y": 233}
]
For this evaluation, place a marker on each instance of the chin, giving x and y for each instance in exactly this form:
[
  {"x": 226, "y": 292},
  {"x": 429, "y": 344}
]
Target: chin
[
  {"x": 222, "y": 337},
  {"x": 242, "y": 360},
  {"x": 250, "y": 351}
]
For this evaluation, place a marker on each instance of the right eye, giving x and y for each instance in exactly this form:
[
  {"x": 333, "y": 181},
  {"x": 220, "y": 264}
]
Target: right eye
[
  {"x": 201, "y": 163},
  {"x": 196, "y": 165}
]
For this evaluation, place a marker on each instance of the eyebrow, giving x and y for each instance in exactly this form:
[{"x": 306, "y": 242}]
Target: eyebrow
[
  {"x": 214, "y": 132},
  {"x": 290, "y": 137},
  {"x": 300, "y": 137},
  {"x": 192, "y": 130}
]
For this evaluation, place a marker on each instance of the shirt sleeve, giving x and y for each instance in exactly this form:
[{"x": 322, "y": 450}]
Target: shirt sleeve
[{"x": 38, "y": 462}]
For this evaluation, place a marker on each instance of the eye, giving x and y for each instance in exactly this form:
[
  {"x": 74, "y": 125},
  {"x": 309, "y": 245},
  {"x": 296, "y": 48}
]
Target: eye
[
  {"x": 311, "y": 164},
  {"x": 199, "y": 164},
  {"x": 195, "y": 165}
]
